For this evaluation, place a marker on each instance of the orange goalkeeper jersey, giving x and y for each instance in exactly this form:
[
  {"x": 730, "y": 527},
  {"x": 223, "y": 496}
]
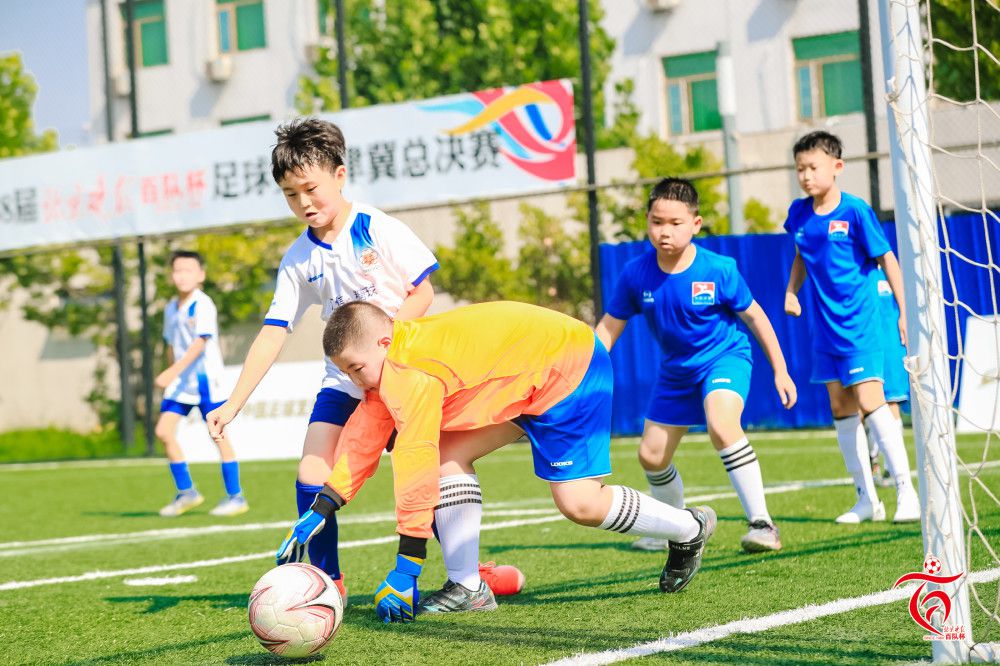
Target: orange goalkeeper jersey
[{"x": 460, "y": 370}]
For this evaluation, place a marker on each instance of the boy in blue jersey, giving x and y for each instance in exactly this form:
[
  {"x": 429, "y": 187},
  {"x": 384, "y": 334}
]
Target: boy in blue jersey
[
  {"x": 838, "y": 243},
  {"x": 897, "y": 382},
  {"x": 349, "y": 251},
  {"x": 691, "y": 299},
  {"x": 190, "y": 327}
]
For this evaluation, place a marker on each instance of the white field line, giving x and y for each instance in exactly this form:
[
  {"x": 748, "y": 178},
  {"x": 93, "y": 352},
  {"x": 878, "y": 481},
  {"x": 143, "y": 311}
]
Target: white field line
[
  {"x": 752, "y": 625},
  {"x": 158, "y": 581},
  {"x": 181, "y": 566}
]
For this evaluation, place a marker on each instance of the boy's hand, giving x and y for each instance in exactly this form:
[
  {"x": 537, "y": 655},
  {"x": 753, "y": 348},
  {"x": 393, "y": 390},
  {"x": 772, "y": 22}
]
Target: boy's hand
[
  {"x": 397, "y": 597},
  {"x": 902, "y": 330},
  {"x": 218, "y": 419},
  {"x": 786, "y": 389},
  {"x": 165, "y": 379},
  {"x": 792, "y": 306}
]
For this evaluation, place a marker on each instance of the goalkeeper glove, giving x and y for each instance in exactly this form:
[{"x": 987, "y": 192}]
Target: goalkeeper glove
[
  {"x": 397, "y": 597},
  {"x": 293, "y": 548}
]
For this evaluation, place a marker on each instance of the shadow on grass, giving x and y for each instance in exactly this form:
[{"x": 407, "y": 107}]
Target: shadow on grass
[
  {"x": 162, "y": 602},
  {"x": 261, "y": 658},
  {"x": 162, "y": 651},
  {"x": 120, "y": 514}
]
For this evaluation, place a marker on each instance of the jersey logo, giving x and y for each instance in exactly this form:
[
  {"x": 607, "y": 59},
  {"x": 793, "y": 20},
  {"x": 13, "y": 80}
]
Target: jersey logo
[
  {"x": 647, "y": 297},
  {"x": 369, "y": 259},
  {"x": 883, "y": 288},
  {"x": 703, "y": 293},
  {"x": 315, "y": 277},
  {"x": 838, "y": 228}
]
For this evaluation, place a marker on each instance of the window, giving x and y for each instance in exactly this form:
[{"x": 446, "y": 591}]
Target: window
[
  {"x": 241, "y": 25},
  {"x": 828, "y": 74},
  {"x": 692, "y": 98},
  {"x": 326, "y": 17},
  {"x": 247, "y": 119},
  {"x": 149, "y": 29}
]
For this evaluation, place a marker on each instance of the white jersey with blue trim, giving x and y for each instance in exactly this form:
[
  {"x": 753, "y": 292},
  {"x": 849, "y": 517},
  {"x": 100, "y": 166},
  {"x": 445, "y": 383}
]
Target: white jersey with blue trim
[
  {"x": 375, "y": 258},
  {"x": 183, "y": 323}
]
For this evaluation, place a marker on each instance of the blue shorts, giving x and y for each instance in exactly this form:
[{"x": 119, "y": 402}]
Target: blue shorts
[
  {"x": 572, "y": 439},
  {"x": 682, "y": 402},
  {"x": 848, "y": 369},
  {"x": 333, "y": 406},
  {"x": 184, "y": 409},
  {"x": 897, "y": 380}
]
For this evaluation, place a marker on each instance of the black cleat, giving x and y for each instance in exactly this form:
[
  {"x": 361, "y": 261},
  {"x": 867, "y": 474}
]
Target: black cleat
[
  {"x": 685, "y": 557},
  {"x": 455, "y": 598}
]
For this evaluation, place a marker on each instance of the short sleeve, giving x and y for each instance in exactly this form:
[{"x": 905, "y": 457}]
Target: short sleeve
[
  {"x": 403, "y": 250},
  {"x": 736, "y": 293},
  {"x": 206, "y": 319},
  {"x": 790, "y": 217},
  {"x": 871, "y": 238},
  {"x": 623, "y": 303},
  {"x": 169, "y": 314},
  {"x": 290, "y": 299}
]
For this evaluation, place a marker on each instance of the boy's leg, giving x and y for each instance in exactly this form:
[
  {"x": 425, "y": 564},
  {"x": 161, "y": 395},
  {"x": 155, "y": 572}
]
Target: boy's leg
[
  {"x": 656, "y": 452},
  {"x": 233, "y": 504},
  {"x": 187, "y": 496},
  {"x": 314, "y": 469},
  {"x": 886, "y": 430},
  {"x": 854, "y": 449}
]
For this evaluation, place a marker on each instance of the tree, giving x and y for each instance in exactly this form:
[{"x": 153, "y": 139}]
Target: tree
[
  {"x": 955, "y": 71},
  {"x": 415, "y": 49},
  {"x": 17, "y": 95}
]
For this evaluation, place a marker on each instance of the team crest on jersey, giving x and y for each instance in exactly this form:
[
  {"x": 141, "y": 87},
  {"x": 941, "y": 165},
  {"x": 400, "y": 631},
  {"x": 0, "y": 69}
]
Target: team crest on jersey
[
  {"x": 703, "y": 293},
  {"x": 369, "y": 259},
  {"x": 647, "y": 296},
  {"x": 838, "y": 228}
]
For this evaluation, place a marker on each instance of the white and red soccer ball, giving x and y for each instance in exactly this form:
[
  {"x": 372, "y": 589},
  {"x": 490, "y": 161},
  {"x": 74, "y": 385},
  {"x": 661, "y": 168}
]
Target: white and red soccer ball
[
  {"x": 932, "y": 565},
  {"x": 295, "y": 610}
]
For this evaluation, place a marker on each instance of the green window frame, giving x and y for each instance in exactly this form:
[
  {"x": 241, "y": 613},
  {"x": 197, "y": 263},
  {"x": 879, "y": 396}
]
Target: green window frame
[
  {"x": 692, "y": 93},
  {"x": 828, "y": 78},
  {"x": 241, "y": 25},
  {"x": 149, "y": 29},
  {"x": 326, "y": 17},
  {"x": 246, "y": 119}
]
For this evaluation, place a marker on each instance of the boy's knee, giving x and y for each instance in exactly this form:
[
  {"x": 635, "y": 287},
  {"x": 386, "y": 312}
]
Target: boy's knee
[
  {"x": 582, "y": 511},
  {"x": 652, "y": 455},
  {"x": 163, "y": 432},
  {"x": 313, "y": 470}
]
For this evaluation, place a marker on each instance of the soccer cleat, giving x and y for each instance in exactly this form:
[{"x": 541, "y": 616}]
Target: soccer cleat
[
  {"x": 233, "y": 505},
  {"x": 184, "y": 502},
  {"x": 880, "y": 479},
  {"x": 684, "y": 559},
  {"x": 503, "y": 580},
  {"x": 761, "y": 537},
  {"x": 861, "y": 512},
  {"x": 455, "y": 598},
  {"x": 650, "y": 543},
  {"x": 341, "y": 587},
  {"x": 907, "y": 506}
]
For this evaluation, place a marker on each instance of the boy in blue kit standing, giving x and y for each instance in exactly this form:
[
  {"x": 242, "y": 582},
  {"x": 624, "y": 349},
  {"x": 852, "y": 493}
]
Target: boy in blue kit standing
[
  {"x": 691, "y": 299},
  {"x": 838, "y": 242},
  {"x": 190, "y": 327},
  {"x": 349, "y": 251}
]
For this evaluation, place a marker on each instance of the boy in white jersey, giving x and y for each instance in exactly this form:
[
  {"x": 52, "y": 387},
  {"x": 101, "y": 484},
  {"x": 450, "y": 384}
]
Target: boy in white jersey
[
  {"x": 190, "y": 327},
  {"x": 349, "y": 251}
]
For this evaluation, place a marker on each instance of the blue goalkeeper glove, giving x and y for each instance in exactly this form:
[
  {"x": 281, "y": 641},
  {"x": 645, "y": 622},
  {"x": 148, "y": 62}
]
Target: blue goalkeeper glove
[
  {"x": 397, "y": 597},
  {"x": 293, "y": 548}
]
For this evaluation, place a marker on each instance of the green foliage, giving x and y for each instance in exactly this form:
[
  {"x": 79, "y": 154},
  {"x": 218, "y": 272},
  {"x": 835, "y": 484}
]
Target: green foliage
[
  {"x": 17, "y": 94},
  {"x": 955, "y": 70},
  {"x": 56, "y": 444},
  {"x": 626, "y": 118},
  {"x": 415, "y": 49},
  {"x": 759, "y": 218},
  {"x": 475, "y": 268}
]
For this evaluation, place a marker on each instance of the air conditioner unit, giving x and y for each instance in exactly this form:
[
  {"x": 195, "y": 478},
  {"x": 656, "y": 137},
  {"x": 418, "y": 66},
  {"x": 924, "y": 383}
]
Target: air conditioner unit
[
  {"x": 315, "y": 49},
  {"x": 662, "y": 5},
  {"x": 120, "y": 84},
  {"x": 220, "y": 68}
]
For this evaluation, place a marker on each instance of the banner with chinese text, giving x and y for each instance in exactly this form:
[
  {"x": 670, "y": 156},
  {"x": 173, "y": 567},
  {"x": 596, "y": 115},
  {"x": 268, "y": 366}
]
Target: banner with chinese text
[{"x": 488, "y": 143}]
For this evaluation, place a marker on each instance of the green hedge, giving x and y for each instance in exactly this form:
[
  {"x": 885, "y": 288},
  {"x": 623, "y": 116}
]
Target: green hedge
[{"x": 55, "y": 444}]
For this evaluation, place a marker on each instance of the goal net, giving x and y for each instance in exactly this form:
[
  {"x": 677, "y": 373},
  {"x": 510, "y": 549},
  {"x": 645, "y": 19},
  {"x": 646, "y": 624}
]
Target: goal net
[{"x": 941, "y": 61}]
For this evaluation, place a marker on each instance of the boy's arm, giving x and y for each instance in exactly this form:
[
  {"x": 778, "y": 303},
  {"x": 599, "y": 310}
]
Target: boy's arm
[
  {"x": 894, "y": 276},
  {"x": 165, "y": 378},
  {"x": 260, "y": 358},
  {"x": 795, "y": 280},
  {"x": 609, "y": 329},
  {"x": 360, "y": 447},
  {"x": 417, "y": 301},
  {"x": 756, "y": 320}
]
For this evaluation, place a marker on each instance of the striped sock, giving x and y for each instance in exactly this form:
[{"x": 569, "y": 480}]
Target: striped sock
[
  {"x": 457, "y": 517},
  {"x": 741, "y": 464},
  {"x": 666, "y": 485},
  {"x": 635, "y": 513}
]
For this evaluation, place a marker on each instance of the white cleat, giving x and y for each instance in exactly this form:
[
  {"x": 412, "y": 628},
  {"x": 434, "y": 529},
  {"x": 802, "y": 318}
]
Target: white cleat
[
  {"x": 650, "y": 543},
  {"x": 907, "y": 507},
  {"x": 183, "y": 503},
  {"x": 233, "y": 505},
  {"x": 861, "y": 512}
]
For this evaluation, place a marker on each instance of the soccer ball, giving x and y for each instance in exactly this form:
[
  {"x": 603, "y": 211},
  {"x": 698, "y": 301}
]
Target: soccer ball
[
  {"x": 295, "y": 610},
  {"x": 932, "y": 565}
]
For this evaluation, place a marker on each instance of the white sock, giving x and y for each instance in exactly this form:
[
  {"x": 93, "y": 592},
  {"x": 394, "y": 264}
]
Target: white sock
[
  {"x": 871, "y": 443},
  {"x": 855, "y": 451},
  {"x": 887, "y": 431},
  {"x": 457, "y": 517},
  {"x": 666, "y": 485},
  {"x": 635, "y": 513},
  {"x": 741, "y": 464}
]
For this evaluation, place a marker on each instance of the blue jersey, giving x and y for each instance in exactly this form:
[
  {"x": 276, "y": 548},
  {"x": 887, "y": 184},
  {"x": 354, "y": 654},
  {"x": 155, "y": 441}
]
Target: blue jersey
[
  {"x": 839, "y": 250},
  {"x": 692, "y": 314}
]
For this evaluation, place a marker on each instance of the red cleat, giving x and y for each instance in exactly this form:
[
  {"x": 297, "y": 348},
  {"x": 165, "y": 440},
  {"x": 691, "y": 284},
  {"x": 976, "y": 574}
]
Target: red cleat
[
  {"x": 504, "y": 580},
  {"x": 339, "y": 582}
]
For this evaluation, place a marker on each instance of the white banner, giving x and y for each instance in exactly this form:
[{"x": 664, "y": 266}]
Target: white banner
[
  {"x": 501, "y": 141},
  {"x": 979, "y": 391},
  {"x": 273, "y": 423}
]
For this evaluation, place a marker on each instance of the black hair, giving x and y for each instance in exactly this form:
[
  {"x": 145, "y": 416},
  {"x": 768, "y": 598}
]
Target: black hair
[
  {"x": 819, "y": 140},
  {"x": 674, "y": 189},
  {"x": 350, "y": 325},
  {"x": 187, "y": 254},
  {"x": 306, "y": 142}
]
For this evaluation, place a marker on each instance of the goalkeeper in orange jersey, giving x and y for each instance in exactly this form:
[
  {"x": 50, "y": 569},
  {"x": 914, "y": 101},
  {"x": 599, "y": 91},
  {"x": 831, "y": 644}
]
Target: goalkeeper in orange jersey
[{"x": 457, "y": 386}]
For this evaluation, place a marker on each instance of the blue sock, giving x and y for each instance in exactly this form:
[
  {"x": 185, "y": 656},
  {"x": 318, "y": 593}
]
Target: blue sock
[
  {"x": 323, "y": 546},
  {"x": 231, "y": 477},
  {"x": 182, "y": 478}
]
